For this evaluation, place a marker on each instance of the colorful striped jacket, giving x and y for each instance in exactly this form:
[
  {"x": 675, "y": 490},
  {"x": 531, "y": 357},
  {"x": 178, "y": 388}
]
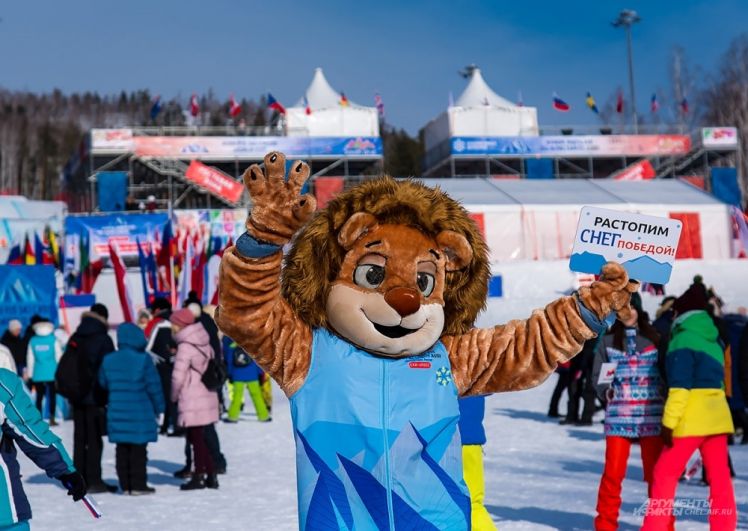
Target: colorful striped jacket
[{"x": 635, "y": 408}]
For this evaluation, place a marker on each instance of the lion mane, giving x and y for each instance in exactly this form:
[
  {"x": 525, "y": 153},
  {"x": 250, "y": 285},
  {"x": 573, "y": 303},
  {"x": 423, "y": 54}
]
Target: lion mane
[{"x": 315, "y": 258}]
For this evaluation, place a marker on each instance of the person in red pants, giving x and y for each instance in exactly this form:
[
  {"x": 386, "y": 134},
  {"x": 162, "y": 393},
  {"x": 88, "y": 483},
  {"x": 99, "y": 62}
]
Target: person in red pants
[
  {"x": 626, "y": 373},
  {"x": 696, "y": 416}
]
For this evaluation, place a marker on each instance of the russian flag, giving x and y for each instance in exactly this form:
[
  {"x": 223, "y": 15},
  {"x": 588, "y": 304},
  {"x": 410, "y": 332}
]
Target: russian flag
[
  {"x": 654, "y": 105},
  {"x": 559, "y": 104},
  {"x": 307, "y": 108},
  {"x": 235, "y": 109},
  {"x": 275, "y": 104}
]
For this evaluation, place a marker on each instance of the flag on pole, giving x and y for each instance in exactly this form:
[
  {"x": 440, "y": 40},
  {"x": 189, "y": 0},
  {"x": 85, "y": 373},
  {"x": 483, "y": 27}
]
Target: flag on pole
[
  {"x": 120, "y": 273},
  {"x": 275, "y": 104},
  {"x": 185, "y": 276},
  {"x": 143, "y": 263},
  {"x": 654, "y": 105},
  {"x": 54, "y": 247},
  {"x": 152, "y": 269},
  {"x": 559, "y": 104},
  {"x": 307, "y": 108},
  {"x": 38, "y": 249},
  {"x": 29, "y": 256},
  {"x": 343, "y": 100},
  {"x": 165, "y": 257},
  {"x": 15, "y": 257},
  {"x": 379, "y": 104},
  {"x": 156, "y": 107},
  {"x": 194, "y": 105},
  {"x": 235, "y": 109},
  {"x": 619, "y": 102},
  {"x": 590, "y": 101},
  {"x": 684, "y": 105}
]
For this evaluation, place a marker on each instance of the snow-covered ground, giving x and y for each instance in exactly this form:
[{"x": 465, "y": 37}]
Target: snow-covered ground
[{"x": 539, "y": 475}]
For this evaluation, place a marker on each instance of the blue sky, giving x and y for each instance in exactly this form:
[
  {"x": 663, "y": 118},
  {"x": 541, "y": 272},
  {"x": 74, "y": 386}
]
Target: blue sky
[{"x": 409, "y": 51}]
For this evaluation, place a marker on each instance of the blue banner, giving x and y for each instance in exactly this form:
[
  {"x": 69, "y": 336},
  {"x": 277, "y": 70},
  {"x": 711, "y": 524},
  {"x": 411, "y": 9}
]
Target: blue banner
[
  {"x": 112, "y": 190},
  {"x": 95, "y": 232},
  {"x": 26, "y": 291}
]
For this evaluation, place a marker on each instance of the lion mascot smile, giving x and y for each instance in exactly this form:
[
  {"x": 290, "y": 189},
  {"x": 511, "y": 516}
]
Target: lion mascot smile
[{"x": 367, "y": 326}]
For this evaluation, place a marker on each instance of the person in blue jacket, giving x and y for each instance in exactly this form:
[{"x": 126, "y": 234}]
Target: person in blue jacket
[
  {"x": 244, "y": 372},
  {"x": 473, "y": 438},
  {"x": 136, "y": 400},
  {"x": 23, "y": 427}
]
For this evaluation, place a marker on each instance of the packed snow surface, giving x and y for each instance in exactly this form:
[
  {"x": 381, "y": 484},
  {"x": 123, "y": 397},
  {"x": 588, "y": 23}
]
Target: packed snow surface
[{"x": 539, "y": 476}]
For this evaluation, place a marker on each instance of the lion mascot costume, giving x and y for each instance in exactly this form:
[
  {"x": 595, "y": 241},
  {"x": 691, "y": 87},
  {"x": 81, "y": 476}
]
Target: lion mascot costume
[{"x": 367, "y": 326}]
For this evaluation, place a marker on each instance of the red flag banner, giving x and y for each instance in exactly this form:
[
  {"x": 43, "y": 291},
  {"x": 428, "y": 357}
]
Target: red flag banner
[
  {"x": 214, "y": 181},
  {"x": 639, "y": 171},
  {"x": 120, "y": 272}
]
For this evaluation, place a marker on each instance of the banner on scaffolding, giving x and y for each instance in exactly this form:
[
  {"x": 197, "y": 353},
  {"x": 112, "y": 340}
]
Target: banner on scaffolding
[
  {"x": 573, "y": 146},
  {"x": 115, "y": 141},
  {"x": 214, "y": 181}
]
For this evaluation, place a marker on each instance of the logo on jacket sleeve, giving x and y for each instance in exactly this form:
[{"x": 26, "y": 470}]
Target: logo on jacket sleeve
[{"x": 443, "y": 376}]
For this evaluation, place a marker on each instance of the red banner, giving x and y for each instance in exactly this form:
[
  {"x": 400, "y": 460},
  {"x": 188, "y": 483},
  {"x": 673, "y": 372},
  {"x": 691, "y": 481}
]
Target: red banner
[
  {"x": 639, "y": 171},
  {"x": 214, "y": 181},
  {"x": 325, "y": 188}
]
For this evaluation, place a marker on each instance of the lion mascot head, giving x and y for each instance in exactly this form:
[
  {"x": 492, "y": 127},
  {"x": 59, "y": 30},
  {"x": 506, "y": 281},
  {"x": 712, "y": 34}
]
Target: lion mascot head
[{"x": 389, "y": 265}]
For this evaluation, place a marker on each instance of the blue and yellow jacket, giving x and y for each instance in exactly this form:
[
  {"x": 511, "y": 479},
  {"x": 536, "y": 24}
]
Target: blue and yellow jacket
[
  {"x": 696, "y": 402},
  {"x": 23, "y": 427}
]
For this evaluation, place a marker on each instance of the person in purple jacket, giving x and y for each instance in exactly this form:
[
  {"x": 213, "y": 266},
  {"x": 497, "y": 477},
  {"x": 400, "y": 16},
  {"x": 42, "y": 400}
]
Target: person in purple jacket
[{"x": 473, "y": 437}]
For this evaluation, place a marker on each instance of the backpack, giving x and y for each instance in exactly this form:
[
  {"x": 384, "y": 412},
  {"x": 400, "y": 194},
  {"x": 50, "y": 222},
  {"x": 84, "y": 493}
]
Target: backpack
[
  {"x": 215, "y": 374},
  {"x": 241, "y": 358},
  {"x": 73, "y": 377}
]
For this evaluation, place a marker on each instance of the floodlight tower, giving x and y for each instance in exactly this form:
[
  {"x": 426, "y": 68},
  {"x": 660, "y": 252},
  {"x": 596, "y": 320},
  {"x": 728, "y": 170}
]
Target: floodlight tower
[{"x": 626, "y": 19}]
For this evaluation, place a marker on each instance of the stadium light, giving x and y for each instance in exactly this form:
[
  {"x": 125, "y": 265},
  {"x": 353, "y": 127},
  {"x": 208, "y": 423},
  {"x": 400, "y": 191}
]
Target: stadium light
[{"x": 626, "y": 19}]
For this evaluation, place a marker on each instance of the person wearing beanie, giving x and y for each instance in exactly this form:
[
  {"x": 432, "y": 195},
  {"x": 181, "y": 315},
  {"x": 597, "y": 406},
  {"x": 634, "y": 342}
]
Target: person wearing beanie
[
  {"x": 197, "y": 406},
  {"x": 161, "y": 347},
  {"x": 89, "y": 414},
  {"x": 192, "y": 303},
  {"x": 696, "y": 414},
  {"x": 44, "y": 352},
  {"x": 13, "y": 340}
]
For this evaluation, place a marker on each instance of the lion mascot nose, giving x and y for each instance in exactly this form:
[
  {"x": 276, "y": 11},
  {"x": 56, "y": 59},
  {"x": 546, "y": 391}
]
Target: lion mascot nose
[{"x": 405, "y": 301}]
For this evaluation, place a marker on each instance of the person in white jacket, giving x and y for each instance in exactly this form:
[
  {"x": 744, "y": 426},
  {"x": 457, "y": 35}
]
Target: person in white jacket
[
  {"x": 43, "y": 355},
  {"x": 6, "y": 359}
]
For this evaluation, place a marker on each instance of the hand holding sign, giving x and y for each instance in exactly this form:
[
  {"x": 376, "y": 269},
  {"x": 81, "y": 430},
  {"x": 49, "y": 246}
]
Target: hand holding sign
[
  {"x": 612, "y": 293},
  {"x": 644, "y": 245}
]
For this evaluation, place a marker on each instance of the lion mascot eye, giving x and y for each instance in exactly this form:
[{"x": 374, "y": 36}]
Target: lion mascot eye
[
  {"x": 369, "y": 276},
  {"x": 426, "y": 283}
]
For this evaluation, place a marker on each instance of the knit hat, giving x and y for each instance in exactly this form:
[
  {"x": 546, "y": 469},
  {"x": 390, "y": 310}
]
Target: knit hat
[
  {"x": 100, "y": 310},
  {"x": 183, "y": 317},
  {"x": 694, "y": 298},
  {"x": 160, "y": 303}
]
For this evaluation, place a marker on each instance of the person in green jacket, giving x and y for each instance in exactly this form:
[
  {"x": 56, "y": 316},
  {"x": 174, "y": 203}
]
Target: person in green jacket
[
  {"x": 696, "y": 415},
  {"x": 23, "y": 427}
]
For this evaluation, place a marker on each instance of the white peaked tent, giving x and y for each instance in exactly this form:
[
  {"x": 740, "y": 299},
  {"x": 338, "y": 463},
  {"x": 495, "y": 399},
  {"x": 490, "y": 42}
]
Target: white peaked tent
[
  {"x": 328, "y": 117},
  {"x": 479, "y": 111}
]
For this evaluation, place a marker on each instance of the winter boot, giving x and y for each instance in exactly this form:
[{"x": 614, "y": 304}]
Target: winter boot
[
  {"x": 212, "y": 481},
  {"x": 196, "y": 483},
  {"x": 183, "y": 473},
  {"x": 142, "y": 491}
]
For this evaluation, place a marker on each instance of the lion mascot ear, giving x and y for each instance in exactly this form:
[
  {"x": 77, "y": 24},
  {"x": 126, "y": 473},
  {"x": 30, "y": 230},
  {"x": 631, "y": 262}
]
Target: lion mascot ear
[
  {"x": 357, "y": 225},
  {"x": 456, "y": 248}
]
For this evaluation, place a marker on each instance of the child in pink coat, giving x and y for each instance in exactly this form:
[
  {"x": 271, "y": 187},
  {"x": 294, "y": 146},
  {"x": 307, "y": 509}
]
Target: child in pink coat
[{"x": 196, "y": 404}]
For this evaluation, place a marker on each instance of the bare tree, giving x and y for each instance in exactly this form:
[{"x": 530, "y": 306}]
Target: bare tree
[{"x": 725, "y": 98}]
